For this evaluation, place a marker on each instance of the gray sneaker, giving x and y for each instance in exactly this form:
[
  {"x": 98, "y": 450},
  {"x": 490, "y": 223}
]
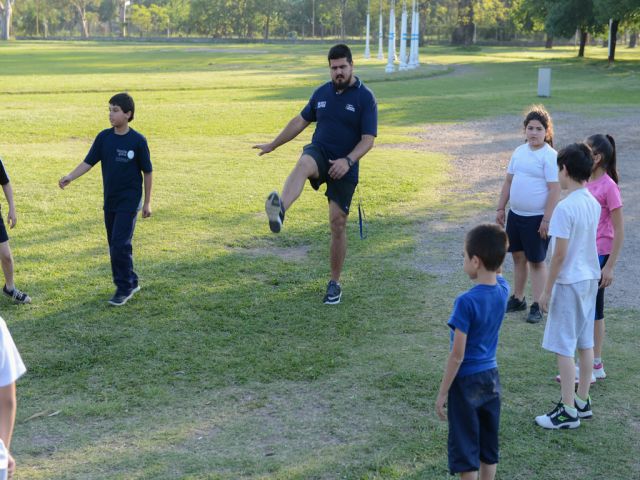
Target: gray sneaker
[
  {"x": 275, "y": 212},
  {"x": 334, "y": 293}
]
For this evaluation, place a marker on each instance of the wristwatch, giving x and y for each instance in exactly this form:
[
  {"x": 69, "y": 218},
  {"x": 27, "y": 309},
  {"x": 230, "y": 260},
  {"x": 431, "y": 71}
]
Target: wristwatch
[{"x": 349, "y": 161}]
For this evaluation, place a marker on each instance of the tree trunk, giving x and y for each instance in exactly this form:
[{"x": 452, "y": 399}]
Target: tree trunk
[
  {"x": 548, "y": 44},
  {"x": 83, "y": 21},
  {"x": 6, "y": 21},
  {"x": 614, "y": 40},
  {"x": 583, "y": 42},
  {"x": 266, "y": 27},
  {"x": 343, "y": 13},
  {"x": 633, "y": 39},
  {"x": 463, "y": 33}
]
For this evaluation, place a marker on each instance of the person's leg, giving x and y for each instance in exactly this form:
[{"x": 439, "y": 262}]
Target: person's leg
[
  {"x": 469, "y": 476},
  {"x": 520, "y": 270},
  {"x": 598, "y": 337},
  {"x": 121, "y": 251},
  {"x": 7, "y": 265},
  {"x": 338, "y": 248},
  {"x": 488, "y": 472},
  {"x": 305, "y": 169},
  {"x": 567, "y": 368},
  {"x": 586, "y": 369},
  {"x": 538, "y": 273}
]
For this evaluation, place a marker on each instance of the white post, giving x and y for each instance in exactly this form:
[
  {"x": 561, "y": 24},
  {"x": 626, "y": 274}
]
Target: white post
[
  {"x": 413, "y": 63},
  {"x": 610, "y": 24},
  {"x": 367, "y": 51},
  {"x": 403, "y": 37},
  {"x": 380, "y": 36},
  {"x": 417, "y": 37},
  {"x": 391, "y": 54}
]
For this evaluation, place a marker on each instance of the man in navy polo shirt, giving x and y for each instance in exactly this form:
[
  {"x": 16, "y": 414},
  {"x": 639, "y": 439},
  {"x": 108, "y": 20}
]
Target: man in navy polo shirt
[
  {"x": 347, "y": 124},
  {"x": 125, "y": 160}
]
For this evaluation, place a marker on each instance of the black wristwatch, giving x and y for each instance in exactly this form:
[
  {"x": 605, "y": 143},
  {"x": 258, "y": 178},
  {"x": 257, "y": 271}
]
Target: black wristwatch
[{"x": 349, "y": 161}]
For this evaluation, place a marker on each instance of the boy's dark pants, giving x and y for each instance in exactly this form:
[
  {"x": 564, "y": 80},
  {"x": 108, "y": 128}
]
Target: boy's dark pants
[{"x": 120, "y": 227}]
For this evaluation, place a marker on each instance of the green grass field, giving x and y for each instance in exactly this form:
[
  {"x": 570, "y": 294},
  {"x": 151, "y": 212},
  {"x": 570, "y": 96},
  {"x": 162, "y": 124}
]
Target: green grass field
[{"x": 227, "y": 365}]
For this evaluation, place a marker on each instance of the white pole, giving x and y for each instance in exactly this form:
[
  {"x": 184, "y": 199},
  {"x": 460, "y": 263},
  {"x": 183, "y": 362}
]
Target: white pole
[
  {"x": 414, "y": 37},
  {"x": 380, "y": 36},
  {"x": 391, "y": 54},
  {"x": 367, "y": 51},
  {"x": 417, "y": 37},
  {"x": 610, "y": 24},
  {"x": 403, "y": 37}
]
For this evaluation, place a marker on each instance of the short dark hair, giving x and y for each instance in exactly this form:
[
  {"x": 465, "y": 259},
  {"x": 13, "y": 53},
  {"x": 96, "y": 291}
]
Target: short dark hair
[
  {"x": 577, "y": 158},
  {"x": 340, "y": 51},
  {"x": 125, "y": 102},
  {"x": 489, "y": 243}
]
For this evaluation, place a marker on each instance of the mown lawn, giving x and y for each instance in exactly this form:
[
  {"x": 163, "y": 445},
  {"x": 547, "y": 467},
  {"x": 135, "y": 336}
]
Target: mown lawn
[{"x": 227, "y": 365}]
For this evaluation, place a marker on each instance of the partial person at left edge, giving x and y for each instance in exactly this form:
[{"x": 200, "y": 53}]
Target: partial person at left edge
[
  {"x": 126, "y": 165},
  {"x": 9, "y": 289}
]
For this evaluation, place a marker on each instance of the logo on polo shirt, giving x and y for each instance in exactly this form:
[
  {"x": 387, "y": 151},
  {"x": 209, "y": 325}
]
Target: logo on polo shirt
[
  {"x": 124, "y": 156},
  {"x": 321, "y": 105},
  {"x": 350, "y": 107},
  {"x": 130, "y": 154}
]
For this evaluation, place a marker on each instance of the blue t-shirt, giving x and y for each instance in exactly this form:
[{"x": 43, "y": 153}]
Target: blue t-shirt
[
  {"x": 342, "y": 119},
  {"x": 479, "y": 313},
  {"x": 124, "y": 158}
]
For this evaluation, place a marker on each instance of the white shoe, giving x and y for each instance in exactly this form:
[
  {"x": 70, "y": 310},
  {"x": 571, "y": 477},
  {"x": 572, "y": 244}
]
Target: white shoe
[
  {"x": 598, "y": 371},
  {"x": 577, "y": 379}
]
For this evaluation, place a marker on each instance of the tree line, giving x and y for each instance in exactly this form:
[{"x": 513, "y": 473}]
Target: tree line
[{"x": 462, "y": 22}]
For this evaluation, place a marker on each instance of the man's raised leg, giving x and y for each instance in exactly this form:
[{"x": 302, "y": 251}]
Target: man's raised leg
[{"x": 276, "y": 204}]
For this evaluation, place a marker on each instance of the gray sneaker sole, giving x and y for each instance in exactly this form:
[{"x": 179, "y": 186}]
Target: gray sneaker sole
[{"x": 273, "y": 206}]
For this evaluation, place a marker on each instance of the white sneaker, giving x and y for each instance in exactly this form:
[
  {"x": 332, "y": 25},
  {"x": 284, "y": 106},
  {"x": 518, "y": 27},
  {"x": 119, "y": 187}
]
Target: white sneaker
[{"x": 598, "y": 371}]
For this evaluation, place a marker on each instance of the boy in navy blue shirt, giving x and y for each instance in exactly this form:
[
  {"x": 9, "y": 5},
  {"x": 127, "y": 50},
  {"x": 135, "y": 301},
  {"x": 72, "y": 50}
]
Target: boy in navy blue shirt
[
  {"x": 6, "y": 258},
  {"x": 470, "y": 385},
  {"x": 347, "y": 124},
  {"x": 125, "y": 158}
]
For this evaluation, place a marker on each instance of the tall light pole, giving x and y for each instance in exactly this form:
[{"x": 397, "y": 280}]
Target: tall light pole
[
  {"x": 123, "y": 16},
  {"x": 403, "y": 37},
  {"x": 380, "y": 36},
  {"x": 313, "y": 18}
]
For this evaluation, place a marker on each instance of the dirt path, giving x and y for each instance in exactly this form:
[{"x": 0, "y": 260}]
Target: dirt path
[{"x": 481, "y": 151}]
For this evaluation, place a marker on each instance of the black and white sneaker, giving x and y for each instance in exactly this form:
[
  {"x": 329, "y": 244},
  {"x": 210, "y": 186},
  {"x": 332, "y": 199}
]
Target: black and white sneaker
[
  {"x": 535, "y": 314},
  {"x": 584, "y": 411},
  {"x": 120, "y": 299},
  {"x": 275, "y": 212},
  {"x": 334, "y": 293},
  {"x": 558, "y": 418},
  {"x": 515, "y": 305},
  {"x": 16, "y": 295}
]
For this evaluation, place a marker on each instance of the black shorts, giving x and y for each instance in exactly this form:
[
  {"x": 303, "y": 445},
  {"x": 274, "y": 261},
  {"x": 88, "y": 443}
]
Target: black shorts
[
  {"x": 340, "y": 191},
  {"x": 523, "y": 236},
  {"x": 600, "y": 297},
  {"x": 4, "y": 236},
  {"x": 473, "y": 410}
]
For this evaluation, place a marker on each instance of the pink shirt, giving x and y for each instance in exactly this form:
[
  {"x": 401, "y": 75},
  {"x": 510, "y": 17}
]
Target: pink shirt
[{"x": 606, "y": 191}]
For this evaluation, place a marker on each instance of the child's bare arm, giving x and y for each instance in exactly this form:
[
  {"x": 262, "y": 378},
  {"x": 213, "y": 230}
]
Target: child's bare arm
[
  {"x": 559, "y": 254},
  {"x": 148, "y": 183},
  {"x": 505, "y": 192},
  {"x": 12, "y": 219},
  {"x": 618, "y": 240},
  {"x": 456, "y": 356},
  {"x": 80, "y": 170}
]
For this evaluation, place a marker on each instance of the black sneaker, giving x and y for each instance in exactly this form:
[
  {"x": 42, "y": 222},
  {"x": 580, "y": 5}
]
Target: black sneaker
[
  {"x": 558, "y": 418},
  {"x": 334, "y": 293},
  {"x": 585, "y": 411},
  {"x": 515, "y": 305},
  {"x": 16, "y": 295},
  {"x": 120, "y": 299},
  {"x": 275, "y": 212},
  {"x": 535, "y": 314}
]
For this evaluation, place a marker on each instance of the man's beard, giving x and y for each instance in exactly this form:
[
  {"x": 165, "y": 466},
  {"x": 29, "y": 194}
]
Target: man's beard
[{"x": 342, "y": 84}]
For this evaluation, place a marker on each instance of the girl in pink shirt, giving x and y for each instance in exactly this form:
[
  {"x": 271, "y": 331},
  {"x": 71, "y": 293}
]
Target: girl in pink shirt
[{"x": 603, "y": 185}]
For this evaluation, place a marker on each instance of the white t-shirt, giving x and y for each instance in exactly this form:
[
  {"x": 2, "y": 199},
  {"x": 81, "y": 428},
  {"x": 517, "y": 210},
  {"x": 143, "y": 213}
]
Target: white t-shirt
[
  {"x": 11, "y": 366},
  {"x": 576, "y": 218},
  {"x": 531, "y": 170}
]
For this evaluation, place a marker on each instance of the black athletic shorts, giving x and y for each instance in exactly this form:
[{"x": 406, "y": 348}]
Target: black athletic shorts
[
  {"x": 340, "y": 191},
  {"x": 4, "y": 236},
  {"x": 524, "y": 237}
]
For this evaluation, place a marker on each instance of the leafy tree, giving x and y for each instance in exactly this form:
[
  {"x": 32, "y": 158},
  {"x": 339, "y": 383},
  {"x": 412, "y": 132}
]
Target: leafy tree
[
  {"x": 567, "y": 16},
  {"x": 617, "y": 11},
  {"x": 465, "y": 28},
  {"x": 141, "y": 18}
]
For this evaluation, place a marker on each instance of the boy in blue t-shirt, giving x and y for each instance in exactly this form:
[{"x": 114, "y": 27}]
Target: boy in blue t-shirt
[
  {"x": 470, "y": 385},
  {"x": 125, "y": 160}
]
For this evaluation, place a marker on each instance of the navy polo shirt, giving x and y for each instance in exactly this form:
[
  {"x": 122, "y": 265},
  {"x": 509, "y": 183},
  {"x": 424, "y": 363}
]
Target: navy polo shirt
[
  {"x": 342, "y": 119},
  {"x": 123, "y": 159},
  {"x": 478, "y": 313}
]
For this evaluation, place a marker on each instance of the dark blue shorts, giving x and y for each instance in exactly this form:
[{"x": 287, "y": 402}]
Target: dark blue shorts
[
  {"x": 473, "y": 409},
  {"x": 600, "y": 297},
  {"x": 4, "y": 236},
  {"x": 524, "y": 237},
  {"x": 340, "y": 191}
]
